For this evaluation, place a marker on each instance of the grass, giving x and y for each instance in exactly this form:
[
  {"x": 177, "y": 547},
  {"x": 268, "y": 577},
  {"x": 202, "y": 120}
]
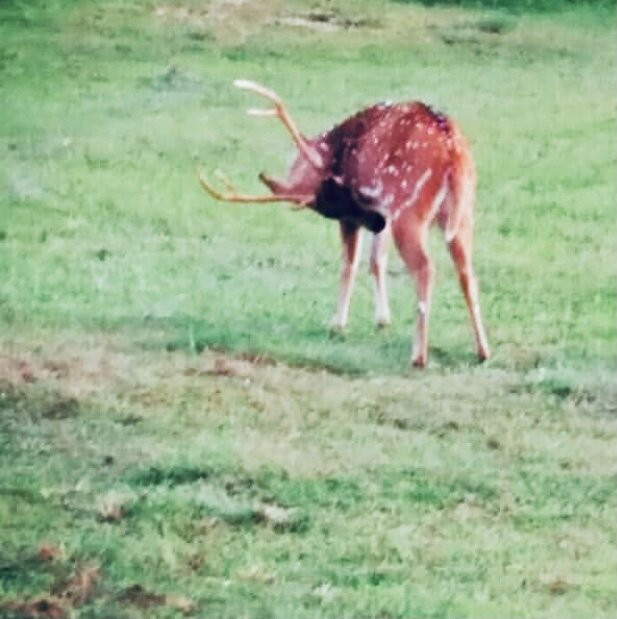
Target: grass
[{"x": 179, "y": 435}]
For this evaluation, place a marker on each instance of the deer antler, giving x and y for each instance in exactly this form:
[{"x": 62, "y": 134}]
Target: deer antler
[
  {"x": 234, "y": 196},
  {"x": 280, "y": 112}
]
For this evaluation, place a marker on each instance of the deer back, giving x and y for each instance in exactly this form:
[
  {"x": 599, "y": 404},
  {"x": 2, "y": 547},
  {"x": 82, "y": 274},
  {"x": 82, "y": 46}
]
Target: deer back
[{"x": 388, "y": 161}]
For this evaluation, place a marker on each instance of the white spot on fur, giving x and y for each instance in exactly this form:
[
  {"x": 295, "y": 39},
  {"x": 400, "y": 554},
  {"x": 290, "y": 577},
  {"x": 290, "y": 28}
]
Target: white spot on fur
[
  {"x": 416, "y": 192},
  {"x": 392, "y": 169},
  {"x": 371, "y": 192},
  {"x": 387, "y": 200}
]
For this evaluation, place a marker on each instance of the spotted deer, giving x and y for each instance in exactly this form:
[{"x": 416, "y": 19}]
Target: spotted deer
[{"x": 394, "y": 169}]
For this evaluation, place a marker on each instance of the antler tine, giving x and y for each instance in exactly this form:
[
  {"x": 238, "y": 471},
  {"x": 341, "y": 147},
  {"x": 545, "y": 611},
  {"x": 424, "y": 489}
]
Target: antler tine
[
  {"x": 259, "y": 89},
  {"x": 225, "y": 179},
  {"x": 233, "y": 196},
  {"x": 259, "y": 112},
  {"x": 281, "y": 112}
]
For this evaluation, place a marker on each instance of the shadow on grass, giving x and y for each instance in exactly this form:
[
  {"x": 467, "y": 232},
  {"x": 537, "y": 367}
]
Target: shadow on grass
[
  {"x": 35, "y": 403},
  {"x": 358, "y": 353}
]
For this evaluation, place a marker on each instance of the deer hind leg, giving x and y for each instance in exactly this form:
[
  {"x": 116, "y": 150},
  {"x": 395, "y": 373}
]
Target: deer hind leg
[
  {"x": 411, "y": 240},
  {"x": 460, "y": 250},
  {"x": 351, "y": 238},
  {"x": 379, "y": 267}
]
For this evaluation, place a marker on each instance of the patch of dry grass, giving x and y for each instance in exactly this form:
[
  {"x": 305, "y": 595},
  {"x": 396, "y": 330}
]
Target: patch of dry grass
[{"x": 480, "y": 481}]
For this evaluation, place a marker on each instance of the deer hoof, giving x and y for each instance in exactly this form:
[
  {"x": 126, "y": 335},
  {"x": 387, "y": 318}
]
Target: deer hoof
[
  {"x": 382, "y": 323},
  {"x": 483, "y": 355},
  {"x": 419, "y": 362},
  {"x": 336, "y": 329}
]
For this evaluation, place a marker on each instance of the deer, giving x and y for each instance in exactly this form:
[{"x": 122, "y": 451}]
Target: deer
[{"x": 394, "y": 169}]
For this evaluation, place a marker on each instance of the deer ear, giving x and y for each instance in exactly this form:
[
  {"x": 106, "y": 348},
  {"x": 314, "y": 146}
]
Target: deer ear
[{"x": 270, "y": 183}]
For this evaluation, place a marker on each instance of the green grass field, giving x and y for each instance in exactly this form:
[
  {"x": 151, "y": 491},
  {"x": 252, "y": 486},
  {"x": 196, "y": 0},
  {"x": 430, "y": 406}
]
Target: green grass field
[{"x": 178, "y": 434}]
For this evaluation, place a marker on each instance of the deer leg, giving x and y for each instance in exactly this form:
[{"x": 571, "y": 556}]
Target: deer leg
[
  {"x": 460, "y": 250},
  {"x": 351, "y": 239},
  {"x": 379, "y": 267},
  {"x": 411, "y": 243}
]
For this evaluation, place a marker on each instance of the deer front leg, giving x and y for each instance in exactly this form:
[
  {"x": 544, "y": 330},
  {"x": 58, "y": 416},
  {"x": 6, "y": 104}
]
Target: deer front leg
[
  {"x": 351, "y": 240},
  {"x": 411, "y": 243},
  {"x": 379, "y": 267}
]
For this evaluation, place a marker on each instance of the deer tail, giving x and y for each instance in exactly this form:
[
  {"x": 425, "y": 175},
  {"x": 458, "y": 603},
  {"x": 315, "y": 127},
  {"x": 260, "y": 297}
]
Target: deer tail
[{"x": 462, "y": 188}]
